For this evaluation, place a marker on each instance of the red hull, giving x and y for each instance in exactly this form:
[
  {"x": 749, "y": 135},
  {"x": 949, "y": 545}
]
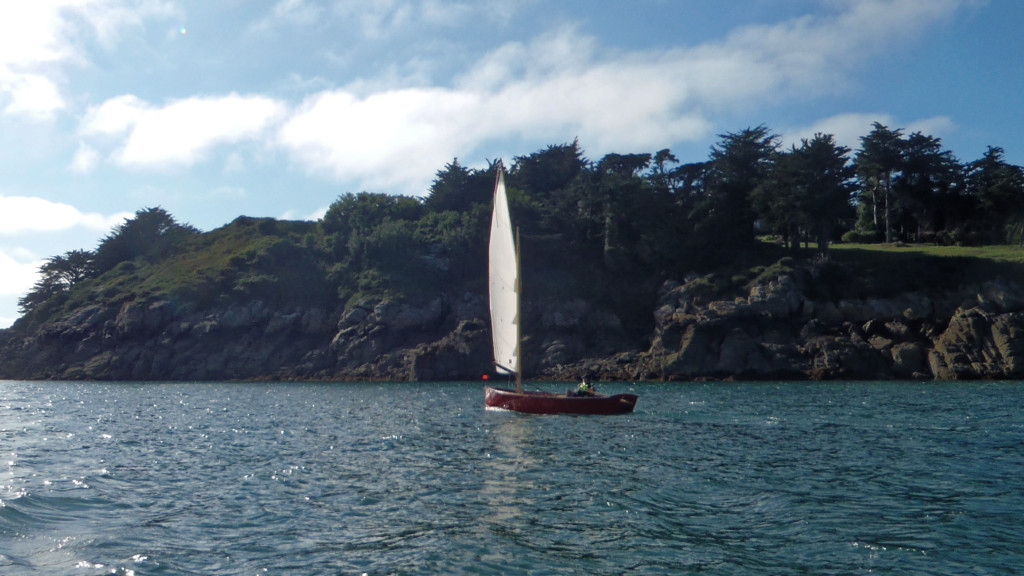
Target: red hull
[{"x": 547, "y": 403}]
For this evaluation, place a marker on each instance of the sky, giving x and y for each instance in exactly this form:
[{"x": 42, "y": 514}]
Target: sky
[{"x": 212, "y": 109}]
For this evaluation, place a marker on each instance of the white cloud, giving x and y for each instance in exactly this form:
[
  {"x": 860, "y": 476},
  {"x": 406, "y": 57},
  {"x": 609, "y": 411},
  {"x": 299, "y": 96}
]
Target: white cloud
[
  {"x": 32, "y": 95},
  {"x": 561, "y": 86},
  {"x": 116, "y": 116},
  {"x": 85, "y": 160},
  {"x": 394, "y": 133},
  {"x": 296, "y": 215},
  {"x": 846, "y": 128},
  {"x": 39, "y": 39},
  {"x": 18, "y": 277},
  {"x": 319, "y": 213},
  {"x": 551, "y": 89},
  {"x": 181, "y": 133},
  {"x": 25, "y": 214},
  {"x": 804, "y": 57},
  {"x": 390, "y": 138},
  {"x": 849, "y": 128},
  {"x": 31, "y": 43},
  {"x": 940, "y": 126},
  {"x": 108, "y": 18}
]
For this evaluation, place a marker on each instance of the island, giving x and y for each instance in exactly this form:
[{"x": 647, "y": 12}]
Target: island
[{"x": 760, "y": 262}]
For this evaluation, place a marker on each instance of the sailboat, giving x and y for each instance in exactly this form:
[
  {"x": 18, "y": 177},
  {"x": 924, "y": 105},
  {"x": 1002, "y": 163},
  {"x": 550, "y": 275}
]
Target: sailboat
[{"x": 504, "y": 285}]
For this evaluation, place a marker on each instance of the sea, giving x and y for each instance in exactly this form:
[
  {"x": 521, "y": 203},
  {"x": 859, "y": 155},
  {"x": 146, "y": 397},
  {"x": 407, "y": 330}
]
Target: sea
[{"x": 418, "y": 478}]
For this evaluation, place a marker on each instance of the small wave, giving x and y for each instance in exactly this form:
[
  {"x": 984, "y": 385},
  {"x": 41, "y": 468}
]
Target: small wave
[{"x": 33, "y": 511}]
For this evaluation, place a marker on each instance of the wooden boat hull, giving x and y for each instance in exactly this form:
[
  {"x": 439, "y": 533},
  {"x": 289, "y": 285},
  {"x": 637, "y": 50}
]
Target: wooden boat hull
[{"x": 549, "y": 403}]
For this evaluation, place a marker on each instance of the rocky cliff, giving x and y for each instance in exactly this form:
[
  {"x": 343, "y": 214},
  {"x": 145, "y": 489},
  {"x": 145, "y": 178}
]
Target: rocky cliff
[{"x": 774, "y": 330}]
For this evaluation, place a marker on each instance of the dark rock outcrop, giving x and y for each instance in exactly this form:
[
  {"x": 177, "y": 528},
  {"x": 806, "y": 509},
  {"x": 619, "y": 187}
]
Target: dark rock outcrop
[
  {"x": 773, "y": 331},
  {"x": 778, "y": 332}
]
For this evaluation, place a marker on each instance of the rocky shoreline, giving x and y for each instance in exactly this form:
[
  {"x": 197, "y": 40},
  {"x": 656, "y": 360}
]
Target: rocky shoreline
[{"x": 774, "y": 331}]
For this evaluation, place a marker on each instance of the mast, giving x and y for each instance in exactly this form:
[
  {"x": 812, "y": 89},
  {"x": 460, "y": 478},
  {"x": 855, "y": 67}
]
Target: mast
[{"x": 519, "y": 319}]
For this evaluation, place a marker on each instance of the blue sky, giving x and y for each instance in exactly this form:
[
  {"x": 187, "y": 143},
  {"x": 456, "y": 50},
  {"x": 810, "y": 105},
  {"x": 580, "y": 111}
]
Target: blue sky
[{"x": 218, "y": 108}]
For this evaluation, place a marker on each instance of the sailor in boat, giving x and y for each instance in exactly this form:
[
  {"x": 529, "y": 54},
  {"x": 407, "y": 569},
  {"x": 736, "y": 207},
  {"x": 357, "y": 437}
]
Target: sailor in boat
[{"x": 586, "y": 388}]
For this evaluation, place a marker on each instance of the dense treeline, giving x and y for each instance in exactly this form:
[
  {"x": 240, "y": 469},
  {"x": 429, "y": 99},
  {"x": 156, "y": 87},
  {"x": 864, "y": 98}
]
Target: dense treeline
[{"x": 624, "y": 220}]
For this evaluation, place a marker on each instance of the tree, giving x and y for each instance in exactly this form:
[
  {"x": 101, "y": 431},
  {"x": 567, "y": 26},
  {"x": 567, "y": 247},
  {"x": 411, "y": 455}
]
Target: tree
[
  {"x": 928, "y": 179},
  {"x": 739, "y": 164},
  {"x": 365, "y": 210},
  {"x": 360, "y": 227},
  {"x": 70, "y": 269},
  {"x": 57, "y": 275},
  {"x": 542, "y": 188},
  {"x": 151, "y": 235},
  {"x": 623, "y": 165},
  {"x": 660, "y": 176},
  {"x": 877, "y": 163},
  {"x": 690, "y": 181},
  {"x": 458, "y": 188},
  {"x": 623, "y": 197},
  {"x": 824, "y": 177},
  {"x": 999, "y": 189},
  {"x": 778, "y": 202},
  {"x": 548, "y": 170}
]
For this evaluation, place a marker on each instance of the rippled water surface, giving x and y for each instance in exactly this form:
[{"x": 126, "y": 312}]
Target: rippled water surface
[{"x": 767, "y": 478}]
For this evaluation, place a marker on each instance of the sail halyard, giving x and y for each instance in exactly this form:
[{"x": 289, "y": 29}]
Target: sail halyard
[{"x": 503, "y": 284}]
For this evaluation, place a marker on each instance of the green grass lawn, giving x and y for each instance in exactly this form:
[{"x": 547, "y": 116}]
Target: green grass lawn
[
  {"x": 1014, "y": 254},
  {"x": 878, "y": 270}
]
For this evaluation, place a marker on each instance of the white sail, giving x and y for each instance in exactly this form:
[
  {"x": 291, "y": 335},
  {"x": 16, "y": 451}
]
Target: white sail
[{"x": 504, "y": 283}]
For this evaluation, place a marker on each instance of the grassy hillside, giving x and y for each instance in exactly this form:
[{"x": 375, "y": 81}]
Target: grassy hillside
[
  {"x": 249, "y": 258},
  {"x": 864, "y": 270}
]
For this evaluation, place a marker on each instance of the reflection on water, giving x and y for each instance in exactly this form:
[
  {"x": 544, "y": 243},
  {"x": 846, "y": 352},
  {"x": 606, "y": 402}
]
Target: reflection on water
[
  {"x": 506, "y": 488},
  {"x": 506, "y": 480}
]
